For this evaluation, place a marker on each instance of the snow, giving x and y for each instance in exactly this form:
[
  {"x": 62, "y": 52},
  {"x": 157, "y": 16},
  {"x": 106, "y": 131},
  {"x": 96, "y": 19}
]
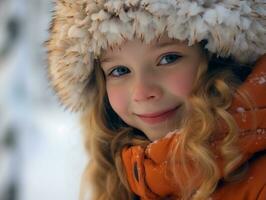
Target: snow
[
  {"x": 240, "y": 109},
  {"x": 262, "y": 80}
]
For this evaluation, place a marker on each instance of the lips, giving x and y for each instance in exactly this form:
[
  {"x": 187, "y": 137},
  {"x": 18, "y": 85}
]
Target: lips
[{"x": 157, "y": 117}]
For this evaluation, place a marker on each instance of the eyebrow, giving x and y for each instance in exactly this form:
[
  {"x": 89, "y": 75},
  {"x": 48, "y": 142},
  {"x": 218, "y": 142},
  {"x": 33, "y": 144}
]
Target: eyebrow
[
  {"x": 160, "y": 45},
  {"x": 163, "y": 44},
  {"x": 108, "y": 59}
]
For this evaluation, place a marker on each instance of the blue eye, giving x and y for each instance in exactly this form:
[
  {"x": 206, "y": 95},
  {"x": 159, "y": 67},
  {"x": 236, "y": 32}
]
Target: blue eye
[
  {"x": 119, "y": 71},
  {"x": 169, "y": 58}
]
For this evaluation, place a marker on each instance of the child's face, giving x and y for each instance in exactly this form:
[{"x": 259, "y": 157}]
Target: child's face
[{"x": 148, "y": 84}]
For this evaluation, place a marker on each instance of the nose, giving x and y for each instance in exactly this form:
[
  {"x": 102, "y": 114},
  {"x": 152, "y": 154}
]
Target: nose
[{"x": 145, "y": 89}]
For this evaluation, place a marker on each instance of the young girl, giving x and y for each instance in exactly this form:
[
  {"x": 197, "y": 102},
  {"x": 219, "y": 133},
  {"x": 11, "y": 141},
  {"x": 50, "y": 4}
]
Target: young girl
[{"x": 171, "y": 95}]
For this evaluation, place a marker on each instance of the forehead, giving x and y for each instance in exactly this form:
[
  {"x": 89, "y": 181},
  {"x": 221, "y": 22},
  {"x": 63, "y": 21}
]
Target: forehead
[{"x": 136, "y": 43}]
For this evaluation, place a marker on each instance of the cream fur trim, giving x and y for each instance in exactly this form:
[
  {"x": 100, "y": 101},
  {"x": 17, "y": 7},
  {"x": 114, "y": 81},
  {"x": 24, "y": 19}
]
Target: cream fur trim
[{"x": 82, "y": 28}]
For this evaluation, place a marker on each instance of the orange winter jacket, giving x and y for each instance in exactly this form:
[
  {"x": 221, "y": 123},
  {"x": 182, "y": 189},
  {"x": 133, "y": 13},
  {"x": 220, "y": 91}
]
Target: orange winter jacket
[{"x": 146, "y": 169}]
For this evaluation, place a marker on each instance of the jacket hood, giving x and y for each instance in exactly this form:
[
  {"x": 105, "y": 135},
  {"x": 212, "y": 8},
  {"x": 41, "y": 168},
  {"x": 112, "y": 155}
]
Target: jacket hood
[
  {"x": 81, "y": 29},
  {"x": 146, "y": 167}
]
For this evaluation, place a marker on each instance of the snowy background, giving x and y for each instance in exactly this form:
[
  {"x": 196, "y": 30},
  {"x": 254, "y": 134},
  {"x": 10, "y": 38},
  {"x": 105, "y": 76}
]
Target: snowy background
[{"x": 41, "y": 152}]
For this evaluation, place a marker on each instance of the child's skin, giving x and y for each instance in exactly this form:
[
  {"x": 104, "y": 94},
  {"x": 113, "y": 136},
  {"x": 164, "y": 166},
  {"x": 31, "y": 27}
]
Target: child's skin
[{"x": 145, "y": 80}]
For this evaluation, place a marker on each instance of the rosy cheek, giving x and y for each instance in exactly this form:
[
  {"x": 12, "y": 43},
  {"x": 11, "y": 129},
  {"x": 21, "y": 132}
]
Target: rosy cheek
[
  {"x": 181, "y": 83},
  {"x": 117, "y": 99}
]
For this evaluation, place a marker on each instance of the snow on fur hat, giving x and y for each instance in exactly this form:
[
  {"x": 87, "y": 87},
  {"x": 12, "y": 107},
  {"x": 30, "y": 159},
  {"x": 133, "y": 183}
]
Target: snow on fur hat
[{"x": 81, "y": 29}]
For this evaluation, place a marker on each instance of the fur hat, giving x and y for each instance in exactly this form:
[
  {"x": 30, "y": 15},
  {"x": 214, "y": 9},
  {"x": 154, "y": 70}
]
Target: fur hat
[{"x": 81, "y": 29}]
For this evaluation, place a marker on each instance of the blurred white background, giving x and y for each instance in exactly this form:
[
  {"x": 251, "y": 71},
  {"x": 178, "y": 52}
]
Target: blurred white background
[{"x": 41, "y": 152}]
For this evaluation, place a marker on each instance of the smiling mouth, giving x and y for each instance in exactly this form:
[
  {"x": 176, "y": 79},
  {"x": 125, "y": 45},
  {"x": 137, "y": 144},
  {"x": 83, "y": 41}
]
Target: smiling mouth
[{"x": 158, "y": 117}]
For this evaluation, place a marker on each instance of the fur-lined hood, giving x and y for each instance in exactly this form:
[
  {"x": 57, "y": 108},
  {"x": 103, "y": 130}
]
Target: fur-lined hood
[{"x": 81, "y": 29}]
